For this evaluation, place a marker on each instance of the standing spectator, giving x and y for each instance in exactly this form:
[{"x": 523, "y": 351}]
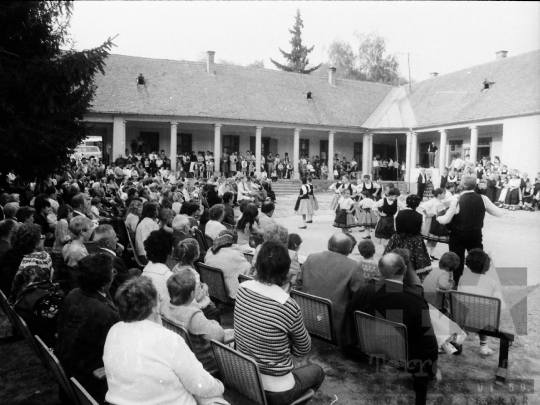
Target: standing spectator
[
  {"x": 421, "y": 181},
  {"x": 432, "y": 151}
]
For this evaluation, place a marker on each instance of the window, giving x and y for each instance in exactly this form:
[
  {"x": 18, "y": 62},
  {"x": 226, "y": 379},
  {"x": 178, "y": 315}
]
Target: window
[
  {"x": 323, "y": 154},
  {"x": 304, "y": 147},
  {"x": 231, "y": 143},
  {"x": 183, "y": 143},
  {"x": 456, "y": 149},
  {"x": 265, "y": 145}
]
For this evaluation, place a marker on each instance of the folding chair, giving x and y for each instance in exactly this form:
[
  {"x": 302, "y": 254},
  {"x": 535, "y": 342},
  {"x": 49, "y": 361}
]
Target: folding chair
[
  {"x": 215, "y": 280},
  {"x": 249, "y": 257},
  {"x": 481, "y": 314},
  {"x": 8, "y": 311},
  {"x": 23, "y": 329},
  {"x": 243, "y": 277},
  {"x": 240, "y": 373},
  {"x": 139, "y": 264},
  {"x": 317, "y": 315},
  {"x": 179, "y": 330},
  {"x": 201, "y": 239},
  {"x": 382, "y": 339},
  {"x": 82, "y": 395},
  {"x": 58, "y": 372}
]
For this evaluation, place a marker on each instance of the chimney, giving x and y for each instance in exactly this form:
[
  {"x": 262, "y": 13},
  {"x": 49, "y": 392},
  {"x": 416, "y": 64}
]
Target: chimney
[
  {"x": 501, "y": 54},
  {"x": 210, "y": 62},
  {"x": 332, "y": 75},
  {"x": 433, "y": 74}
]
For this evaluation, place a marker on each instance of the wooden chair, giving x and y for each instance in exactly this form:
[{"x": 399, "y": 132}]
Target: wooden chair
[
  {"x": 317, "y": 315},
  {"x": 56, "y": 369},
  {"x": 135, "y": 257},
  {"x": 179, "y": 330},
  {"x": 241, "y": 374},
  {"x": 382, "y": 339},
  {"x": 243, "y": 277},
  {"x": 481, "y": 314},
  {"x": 215, "y": 280},
  {"x": 82, "y": 395}
]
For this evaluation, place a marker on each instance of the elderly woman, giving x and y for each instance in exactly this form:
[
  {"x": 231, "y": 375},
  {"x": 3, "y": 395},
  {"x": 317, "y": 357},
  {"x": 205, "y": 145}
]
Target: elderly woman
[
  {"x": 268, "y": 327},
  {"x": 408, "y": 236},
  {"x": 81, "y": 229},
  {"x": 226, "y": 257},
  {"x": 147, "y": 225},
  {"x": 84, "y": 321},
  {"x": 144, "y": 362},
  {"x": 215, "y": 226},
  {"x": 278, "y": 233},
  {"x": 133, "y": 216},
  {"x": 158, "y": 247}
]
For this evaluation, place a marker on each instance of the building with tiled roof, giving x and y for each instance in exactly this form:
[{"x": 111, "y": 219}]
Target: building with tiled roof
[{"x": 491, "y": 109}]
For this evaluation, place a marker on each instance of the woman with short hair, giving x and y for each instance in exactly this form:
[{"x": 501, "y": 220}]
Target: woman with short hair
[
  {"x": 146, "y": 363},
  {"x": 25, "y": 215},
  {"x": 268, "y": 327},
  {"x": 214, "y": 226},
  {"x": 134, "y": 213},
  {"x": 81, "y": 229},
  {"x": 158, "y": 247}
]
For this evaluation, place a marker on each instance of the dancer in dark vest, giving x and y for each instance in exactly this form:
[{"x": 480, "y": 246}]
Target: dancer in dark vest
[{"x": 466, "y": 219}]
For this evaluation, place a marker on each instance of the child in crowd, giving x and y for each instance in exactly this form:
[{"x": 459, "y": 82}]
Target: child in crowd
[
  {"x": 181, "y": 310},
  {"x": 210, "y": 168},
  {"x": 441, "y": 280},
  {"x": 475, "y": 281},
  {"x": 344, "y": 212},
  {"x": 364, "y": 213},
  {"x": 369, "y": 266}
]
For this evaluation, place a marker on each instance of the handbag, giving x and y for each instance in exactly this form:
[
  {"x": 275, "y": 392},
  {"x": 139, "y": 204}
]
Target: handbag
[{"x": 438, "y": 229}]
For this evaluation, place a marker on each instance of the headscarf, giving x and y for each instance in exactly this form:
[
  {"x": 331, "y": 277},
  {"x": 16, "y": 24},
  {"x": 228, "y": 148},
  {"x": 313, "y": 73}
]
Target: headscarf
[{"x": 225, "y": 239}]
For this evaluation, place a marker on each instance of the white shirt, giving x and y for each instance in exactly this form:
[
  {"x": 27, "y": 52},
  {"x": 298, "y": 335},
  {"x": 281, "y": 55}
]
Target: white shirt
[
  {"x": 147, "y": 364},
  {"x": 145, "y": 227},
  {"x": 159, "y": 274},
  {"x": 214, "y": 228}
]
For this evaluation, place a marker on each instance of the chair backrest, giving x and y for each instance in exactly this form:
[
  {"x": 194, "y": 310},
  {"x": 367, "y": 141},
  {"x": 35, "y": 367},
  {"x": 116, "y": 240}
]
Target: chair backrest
[
  {"x": 6, "y": 308},
  {"x": 201, "y": 239},
  {"x": 215, "y": 280},
  {"x": 378, "y": 337},
  {"x": 178, "y": 329},
  {"x": 23, "y": 329},
  {"x": 239, "y": 373},
  {"x": 475, "y": 312},
  {"x": 317, "y": 315},
  {"x": 82, "y": 395},
  {"x": 243, "y": 277},
  {"x": 58, "y": 372},
  {"x": 133, "y": 249},
  {"x": 249, "y": 257}
]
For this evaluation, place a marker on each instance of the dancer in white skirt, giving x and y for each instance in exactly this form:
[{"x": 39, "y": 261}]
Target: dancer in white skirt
[
  {"x": 365, "y": 215},
  {"x": 344, "y": 213},
  {"x": 303, "y": 204},
  {"x": 431, "y": 209},
  {"x": 335, "y": 188},
  {"x": 312, "y": 198}
]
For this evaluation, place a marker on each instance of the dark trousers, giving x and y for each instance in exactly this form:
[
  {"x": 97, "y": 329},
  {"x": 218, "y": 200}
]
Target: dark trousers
[
  {"x": 307, "y": 377},
  {"x": 421, "y": 188},
  {"x": 461, "y": 241}
]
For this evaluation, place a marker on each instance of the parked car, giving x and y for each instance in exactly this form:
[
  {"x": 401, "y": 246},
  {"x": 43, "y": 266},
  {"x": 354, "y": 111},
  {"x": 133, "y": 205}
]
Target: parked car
[{"x": 87, "y": 152}]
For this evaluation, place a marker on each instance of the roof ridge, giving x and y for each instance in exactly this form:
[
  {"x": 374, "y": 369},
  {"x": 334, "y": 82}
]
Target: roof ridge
[{"x": 481, "y": 64}]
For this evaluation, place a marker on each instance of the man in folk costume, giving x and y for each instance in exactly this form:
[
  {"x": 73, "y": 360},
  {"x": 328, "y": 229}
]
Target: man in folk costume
[{"x": 422, "y": 181}]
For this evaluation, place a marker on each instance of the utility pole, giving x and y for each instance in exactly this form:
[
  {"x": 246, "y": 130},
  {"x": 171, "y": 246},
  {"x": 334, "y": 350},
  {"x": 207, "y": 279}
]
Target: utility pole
[{"x": 408, "y": 66}]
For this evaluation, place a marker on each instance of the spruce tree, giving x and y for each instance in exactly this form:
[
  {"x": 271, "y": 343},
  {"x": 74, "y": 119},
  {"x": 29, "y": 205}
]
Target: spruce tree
[{"x": 297, "y": 58}]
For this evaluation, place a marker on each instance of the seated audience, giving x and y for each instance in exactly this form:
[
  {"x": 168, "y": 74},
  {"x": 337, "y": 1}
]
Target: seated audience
[
  {"x": 479, "y": 279},
  {"x": 61, "y": 235},
  {"x": 146, "y": 363},
  {"x": 333, "y": 268},
  {"x": 369, "y": 267},
  {"x": 226, "y": 257},
  {"x": 81, "y": 229},
  {"x": 393, "y": 300},
  {"x": 228, "y": 204},
  {"x": 268, "y": 327},
  {"x": 6, "y": 230},
  {"x": 440, "y": 279},
  {"x": 145, "y": 227},
  {"x": 247, "y": 225},
  {"x": 10, "y": 211},
  {"x": 165, "y": 219},
  {"x": 183, "y": 310},
  {"x": 294, "y": 242},
  {"x": 158, "y": 246},
  {"x": 133, "y": 217},
  {"x": 84, "y": 321},
  {"x": 25, "y": 215},
  {"x": 265, "y": 218},
  {"x": 215, "y": 226}
]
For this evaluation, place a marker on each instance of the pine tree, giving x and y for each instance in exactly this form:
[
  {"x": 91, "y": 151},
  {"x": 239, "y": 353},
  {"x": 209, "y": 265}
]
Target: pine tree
[{"x": 298, "y": 56}]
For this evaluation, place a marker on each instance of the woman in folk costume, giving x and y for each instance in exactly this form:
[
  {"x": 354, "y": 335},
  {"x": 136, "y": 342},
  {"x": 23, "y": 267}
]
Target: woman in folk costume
[
  {"x": 312, "y": 198},
  {"x": 364, "y": 213},
  {"x": 335, "y": 188},
  {"x": 387, "y": 210},
  {"x": 345, "y": 211},
  {"x": 513, "y": 196},
  {"x": 303, "y": 204},
  {"x": 431, "y": 232}
]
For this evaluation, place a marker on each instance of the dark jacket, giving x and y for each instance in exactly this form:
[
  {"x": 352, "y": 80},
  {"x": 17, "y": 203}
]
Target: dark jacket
[
  {"x": 397, "y": 303},
  {"x": 229, "y": 215},
  {"x": 83, "y": 323},
  {"x": 122, "y": 273}
]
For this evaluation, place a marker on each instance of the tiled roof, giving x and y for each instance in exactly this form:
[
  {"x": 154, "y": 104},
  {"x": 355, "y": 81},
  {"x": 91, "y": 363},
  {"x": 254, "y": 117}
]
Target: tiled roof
[
  {"x": 186, "y": 89},
  {"x": 458, "y": 96}
]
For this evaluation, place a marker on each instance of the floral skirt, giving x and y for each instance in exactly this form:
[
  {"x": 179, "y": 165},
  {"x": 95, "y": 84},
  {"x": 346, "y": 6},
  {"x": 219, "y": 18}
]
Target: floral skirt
[
  {"x": 429, "y": 236},
  {"x": 344, "y": 220},
  {"x": 305, "y": 207},
  {"x": 366, "y": 217},
  {"x": 420, "y": 260},
  {"x": 335, "y": 202},
  {"x": 385, "y": 228}
]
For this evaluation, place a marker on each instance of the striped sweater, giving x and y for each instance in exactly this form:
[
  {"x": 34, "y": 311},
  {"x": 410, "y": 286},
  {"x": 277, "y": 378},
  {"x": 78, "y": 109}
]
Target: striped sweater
[{"x": 268, "y": 327}]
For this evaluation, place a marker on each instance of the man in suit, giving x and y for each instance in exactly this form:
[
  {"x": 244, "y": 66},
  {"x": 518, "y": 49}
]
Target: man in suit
[
  {"x": 432, "y": 150},
  {"x": 422, "y": 181},
  {"x": 394, "y": 301},
  {"x": 444, "y": 179},
  {"x": 107, "y": 243},
  {"x": 334, "y": 276}
]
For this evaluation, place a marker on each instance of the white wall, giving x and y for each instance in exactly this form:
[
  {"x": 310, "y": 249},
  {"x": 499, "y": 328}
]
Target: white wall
[{"x": 521, "y": 144}]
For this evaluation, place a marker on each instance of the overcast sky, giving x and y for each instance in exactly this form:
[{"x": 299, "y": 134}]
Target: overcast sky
[{"x": 440, "y": 36}]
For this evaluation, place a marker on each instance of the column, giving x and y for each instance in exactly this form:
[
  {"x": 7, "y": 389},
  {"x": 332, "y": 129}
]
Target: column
[
  {"x": 331, "y": 155},
  {"x": 258, "y": 146},
  {"x": 217, "y": 148},
  {"x": 119, "y": 138},
  {"x": 296, "y": 152},
  {"x": 414, "y": 150},
  {"x": 408, "y": 157},
  {"x": 370, "y": 156},
  {"x": 474, "y": 144},
  {"x": 365, "y": 154},
  {"x": 174, "y": 130},
  {"x": 442, "y": 149}
]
